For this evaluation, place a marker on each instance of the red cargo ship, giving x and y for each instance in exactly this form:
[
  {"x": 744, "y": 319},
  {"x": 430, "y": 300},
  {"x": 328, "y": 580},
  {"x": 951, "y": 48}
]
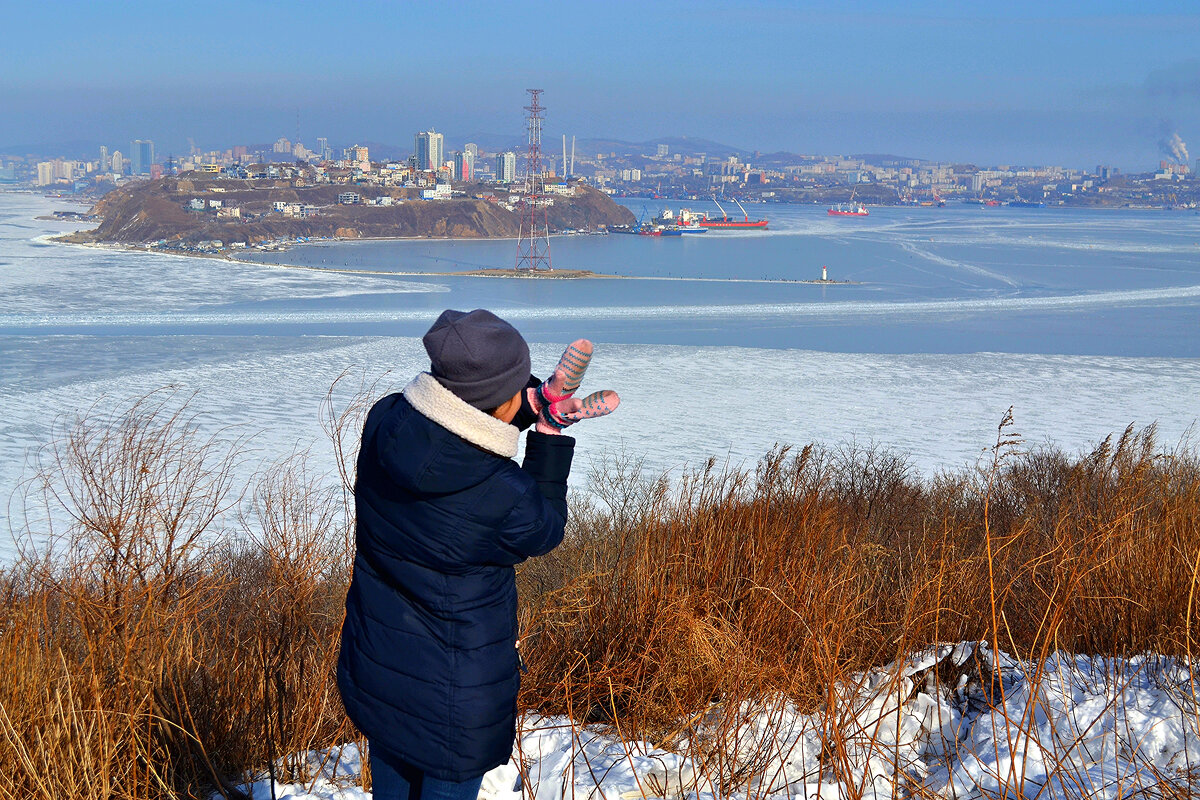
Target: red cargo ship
[
  {"x": 848, "y": 210},
  {"x": 725, "y": 221},
  {"x": 851, "y": 209}
]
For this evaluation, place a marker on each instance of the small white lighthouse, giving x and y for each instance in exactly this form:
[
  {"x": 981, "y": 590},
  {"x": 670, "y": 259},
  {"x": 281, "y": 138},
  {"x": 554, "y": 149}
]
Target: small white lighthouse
[{"x": 824, "y": 273}]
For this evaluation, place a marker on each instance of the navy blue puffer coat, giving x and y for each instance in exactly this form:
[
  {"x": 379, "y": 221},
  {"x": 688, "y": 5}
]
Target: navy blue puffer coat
[{"x": 428, "y": 664}]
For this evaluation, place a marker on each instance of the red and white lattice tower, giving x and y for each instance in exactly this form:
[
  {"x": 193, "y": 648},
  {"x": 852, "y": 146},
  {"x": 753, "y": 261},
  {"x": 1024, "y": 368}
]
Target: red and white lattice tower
[{"x": 533, "y": 246}]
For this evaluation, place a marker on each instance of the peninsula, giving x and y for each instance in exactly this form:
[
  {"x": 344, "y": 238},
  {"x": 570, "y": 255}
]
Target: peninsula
[{"x": 196, "y": 210}]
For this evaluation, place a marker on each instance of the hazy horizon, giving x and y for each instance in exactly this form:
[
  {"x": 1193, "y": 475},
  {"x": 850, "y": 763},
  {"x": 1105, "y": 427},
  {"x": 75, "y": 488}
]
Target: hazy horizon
[{"x": 1078, "y": 85}]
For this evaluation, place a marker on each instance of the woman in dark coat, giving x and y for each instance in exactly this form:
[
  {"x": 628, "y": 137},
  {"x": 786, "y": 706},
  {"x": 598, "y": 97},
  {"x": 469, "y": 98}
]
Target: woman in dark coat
[{"x": 428, "y": 668}]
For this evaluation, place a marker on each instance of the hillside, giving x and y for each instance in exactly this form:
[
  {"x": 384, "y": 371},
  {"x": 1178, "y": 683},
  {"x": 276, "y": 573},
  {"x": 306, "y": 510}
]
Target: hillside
[{"x": 154, "y": 211}]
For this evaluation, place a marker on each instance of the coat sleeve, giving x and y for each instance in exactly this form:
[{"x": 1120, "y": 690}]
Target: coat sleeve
[{"x": 535, "y": 525}]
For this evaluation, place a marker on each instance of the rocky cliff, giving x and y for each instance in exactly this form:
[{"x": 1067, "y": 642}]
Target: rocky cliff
[{"x": 153, "y": 211}]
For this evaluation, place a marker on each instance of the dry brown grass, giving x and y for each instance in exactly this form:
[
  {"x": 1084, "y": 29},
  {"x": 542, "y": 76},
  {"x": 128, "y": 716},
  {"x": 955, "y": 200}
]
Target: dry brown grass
[
  {"x": 181, "y": 630},
  {"x": 158, "y": 647},
  {"x": 822, "y": 563}
]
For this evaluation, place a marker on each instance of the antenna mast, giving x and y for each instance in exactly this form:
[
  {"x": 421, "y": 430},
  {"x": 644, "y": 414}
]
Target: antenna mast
[{"x": 533, "y": 244}]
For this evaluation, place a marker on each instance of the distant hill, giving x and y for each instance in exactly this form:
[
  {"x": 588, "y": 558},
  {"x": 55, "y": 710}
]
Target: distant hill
[
  {"x": 142, "y": 212},
  {"x": 693, "y": 144},
  {"x": 492, "y": 142},
  {"x": 74, "y": 149},
  {"x": 677, "y": 144},
  {"x": 381, "y": 151},
  {"x": 883, "y": 158}
]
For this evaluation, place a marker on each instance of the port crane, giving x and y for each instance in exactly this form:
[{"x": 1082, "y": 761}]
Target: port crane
[
  {"x": 745, "y": 215},
  {"x": 724, "y": 215}
]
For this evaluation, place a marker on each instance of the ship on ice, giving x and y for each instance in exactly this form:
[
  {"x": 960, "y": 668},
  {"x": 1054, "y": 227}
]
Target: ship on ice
[
  {"x": 692, "y": 222},
  {"x": 850, "y": 209}
]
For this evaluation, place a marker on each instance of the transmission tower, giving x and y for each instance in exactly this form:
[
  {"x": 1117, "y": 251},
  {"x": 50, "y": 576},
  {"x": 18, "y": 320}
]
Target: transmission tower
[{"x": 533, "y": 244}]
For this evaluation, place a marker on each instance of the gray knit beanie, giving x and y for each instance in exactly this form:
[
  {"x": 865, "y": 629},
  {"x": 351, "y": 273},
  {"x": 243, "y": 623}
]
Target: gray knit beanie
[{"x": 477, "y": 356}]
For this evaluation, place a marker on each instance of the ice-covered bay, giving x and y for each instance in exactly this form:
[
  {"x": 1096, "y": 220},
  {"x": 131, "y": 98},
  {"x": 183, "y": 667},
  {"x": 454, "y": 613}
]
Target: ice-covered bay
[
  {"x": 1075, "y": 319},
  {"x": 680, "y": 405}
]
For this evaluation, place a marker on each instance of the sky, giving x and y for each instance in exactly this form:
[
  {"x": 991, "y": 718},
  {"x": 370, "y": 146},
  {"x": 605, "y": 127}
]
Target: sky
[{"x": 1069, "y": 83}]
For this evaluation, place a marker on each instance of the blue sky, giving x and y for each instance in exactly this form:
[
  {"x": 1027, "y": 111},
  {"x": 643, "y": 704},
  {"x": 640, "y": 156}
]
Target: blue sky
[{"x": 1000, "y": 82}]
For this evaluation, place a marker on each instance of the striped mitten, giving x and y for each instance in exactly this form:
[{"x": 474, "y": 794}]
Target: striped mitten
[
  {"x": 557, "y": 416},
  {"x": 565, "y": 379}
]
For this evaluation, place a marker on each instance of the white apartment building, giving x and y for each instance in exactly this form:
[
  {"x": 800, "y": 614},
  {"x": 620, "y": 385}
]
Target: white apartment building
[
  {"x": 428, "y": 147},
  {"x": 506, "y": 167}
]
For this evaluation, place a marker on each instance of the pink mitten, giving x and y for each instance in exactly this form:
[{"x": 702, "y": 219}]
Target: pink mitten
[
  {"x": 557, "y": 416},
  {"x": 565, "y": 379}
]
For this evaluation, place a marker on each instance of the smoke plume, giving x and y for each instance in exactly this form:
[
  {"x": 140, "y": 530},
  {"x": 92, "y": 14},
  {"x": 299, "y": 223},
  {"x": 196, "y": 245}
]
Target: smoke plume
[{"x": 1175, "y": 148}]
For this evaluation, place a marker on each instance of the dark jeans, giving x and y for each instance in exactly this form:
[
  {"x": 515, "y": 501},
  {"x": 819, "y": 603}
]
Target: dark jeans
[{"x": 409, "y": 783}]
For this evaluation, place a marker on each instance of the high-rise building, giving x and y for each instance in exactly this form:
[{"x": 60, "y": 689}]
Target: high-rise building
[
  {"x": 323, "y": 148},
  {"x": 506, "y": 167},
  {"x": 45, "y": 173},
  {"x": 664, "y": 150},
  {"x": 427, "y": 146},
  {"x": 117, "y": 162},
  {"x": 142, "y": 156},
  {"x": 103, "y": 167},
  {"x": 464, "y": 166},
  {"x": 473, "y": 149}
]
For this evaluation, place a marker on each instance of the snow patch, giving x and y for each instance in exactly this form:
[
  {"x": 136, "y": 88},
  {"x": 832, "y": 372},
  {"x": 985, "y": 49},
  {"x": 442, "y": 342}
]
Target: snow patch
[{"x": 955, "y": 721}]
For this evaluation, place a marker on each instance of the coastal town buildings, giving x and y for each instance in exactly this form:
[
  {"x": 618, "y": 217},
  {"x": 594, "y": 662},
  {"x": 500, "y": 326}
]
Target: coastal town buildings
[
  {"x": 428, "y": 147},
  {"x": 660, "y": 170},
  {"x": 464, "y": 165},
  {"x": 142, "y": 156},
  {"x": 506, "y": 167}
]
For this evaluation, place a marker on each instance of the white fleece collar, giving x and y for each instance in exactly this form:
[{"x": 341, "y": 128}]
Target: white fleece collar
[{"x": 455, "y": 415}]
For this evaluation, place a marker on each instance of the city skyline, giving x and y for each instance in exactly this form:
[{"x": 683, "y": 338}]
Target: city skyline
[{"x": 1077, "y": 84}]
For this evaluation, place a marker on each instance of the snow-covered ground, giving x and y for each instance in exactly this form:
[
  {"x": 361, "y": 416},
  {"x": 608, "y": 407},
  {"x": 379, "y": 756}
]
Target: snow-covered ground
[{"x": 1070, "y": 727}]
